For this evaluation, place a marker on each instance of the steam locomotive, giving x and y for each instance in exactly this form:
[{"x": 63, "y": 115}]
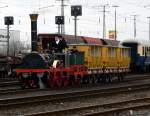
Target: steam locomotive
[
  {"x": 56, "y": 62},
  {"x": 77, "y": 60}
]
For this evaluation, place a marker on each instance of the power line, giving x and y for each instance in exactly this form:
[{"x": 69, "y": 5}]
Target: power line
[
  {"x": 134, "y": 16},
  {"x": 104, "y": 20},
  {"x": 62, "y": 14},
  {"x": 115, "y": 6},
  {"x": 149, "y": 26}
]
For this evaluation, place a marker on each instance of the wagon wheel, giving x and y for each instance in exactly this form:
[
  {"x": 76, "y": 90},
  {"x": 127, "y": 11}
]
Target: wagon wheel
[
  {"x": 96, "y": 80},
  {"x": 91, "y": 80},
  {"x": 85, "y": 79},
  {"x": 119, "y": 77},
  {"x": 109, "y": 78},
  {"x": 104, "y": 77},
  {"x": 99, "y": 78}
]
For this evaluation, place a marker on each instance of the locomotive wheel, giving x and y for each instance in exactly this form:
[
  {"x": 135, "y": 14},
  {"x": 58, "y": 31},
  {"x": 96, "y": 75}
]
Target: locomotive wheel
[
  {"x": 24, "y": 84},
  {"x": 78, "y": 80},
  {"x": 59, "y": 82},
  {"x": 52, "y": 83},
  {"x": 22, "y": 81},
  {"x": 44, "y": 79},
  {"x": 33, "y": 84},
  {"x": 95, "y": 79},
  {"x": 72, "y": 80},
  {"x": 84, "y": 80},
  {"x": 87, "y": 79},
  {"x": 66, "y": 82}
]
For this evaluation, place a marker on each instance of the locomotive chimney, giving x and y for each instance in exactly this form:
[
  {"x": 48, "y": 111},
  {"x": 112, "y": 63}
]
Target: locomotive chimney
[{"x": 34, "y": 31}]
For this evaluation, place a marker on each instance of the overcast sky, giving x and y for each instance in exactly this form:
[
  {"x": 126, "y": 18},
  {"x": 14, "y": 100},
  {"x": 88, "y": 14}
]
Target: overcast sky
[{"x": 89, "y": 24}]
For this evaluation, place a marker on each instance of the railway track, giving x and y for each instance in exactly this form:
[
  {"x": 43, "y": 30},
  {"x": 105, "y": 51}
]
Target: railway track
[
  {"x": 99, "y": 110},
  {"x": 104, "y": 87},
  {"x": 74, "y": 95},
  {"x": 7, "y": 87},
  {"x": 7, "y": 79},
  {"x": 9, "y": 83},
  {"x": 22, "y": 101}
]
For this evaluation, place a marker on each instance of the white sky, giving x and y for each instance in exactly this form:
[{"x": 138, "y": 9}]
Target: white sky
[{"x": 89, "y": 24}]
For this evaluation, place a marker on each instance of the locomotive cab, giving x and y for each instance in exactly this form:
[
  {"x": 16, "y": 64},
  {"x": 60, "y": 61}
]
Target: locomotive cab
[{"x": 70, "y": 58}]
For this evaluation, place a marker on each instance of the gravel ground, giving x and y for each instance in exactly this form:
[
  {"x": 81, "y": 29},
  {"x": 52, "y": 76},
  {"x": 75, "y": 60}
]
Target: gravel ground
[
  {"x": 69, "y": 89},
  {"x": 50, "y": 106},
  {"x": 144, "y": 112}
]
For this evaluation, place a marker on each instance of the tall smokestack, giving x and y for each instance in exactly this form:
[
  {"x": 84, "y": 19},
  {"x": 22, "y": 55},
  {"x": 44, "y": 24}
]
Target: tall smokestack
[{"x": 34, "y": 31}]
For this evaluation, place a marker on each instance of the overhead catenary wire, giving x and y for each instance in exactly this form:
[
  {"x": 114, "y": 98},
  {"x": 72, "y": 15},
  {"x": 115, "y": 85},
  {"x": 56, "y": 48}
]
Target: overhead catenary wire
[{"x": 120, "y": 15}]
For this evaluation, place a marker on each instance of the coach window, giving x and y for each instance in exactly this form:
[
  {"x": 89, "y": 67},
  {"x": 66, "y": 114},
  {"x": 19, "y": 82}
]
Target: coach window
[
  {"x": 123, "y": 52},
  {"x": 96, "y": 51},
  {"x": 100, "y": 51},
  {"x": 112, "y": 52},
  {"x": 92, "y": 50},
  {"x": 143, "y": 51},
  {"x": 109, "y": 51},
  {"x": 127, "y": 53}
]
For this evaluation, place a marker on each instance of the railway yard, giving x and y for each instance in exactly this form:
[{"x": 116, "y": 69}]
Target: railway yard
[
  {"x": 56, "y": 70},
  {"x": 130, "y": 97}
]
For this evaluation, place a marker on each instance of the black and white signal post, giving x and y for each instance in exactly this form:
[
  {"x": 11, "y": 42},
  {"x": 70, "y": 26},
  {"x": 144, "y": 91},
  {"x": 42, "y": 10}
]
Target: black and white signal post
[
  {"x": 59, "y": 20},
  {"x": 8, "y": 20},
  {"x": 76, "y": 11}
]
